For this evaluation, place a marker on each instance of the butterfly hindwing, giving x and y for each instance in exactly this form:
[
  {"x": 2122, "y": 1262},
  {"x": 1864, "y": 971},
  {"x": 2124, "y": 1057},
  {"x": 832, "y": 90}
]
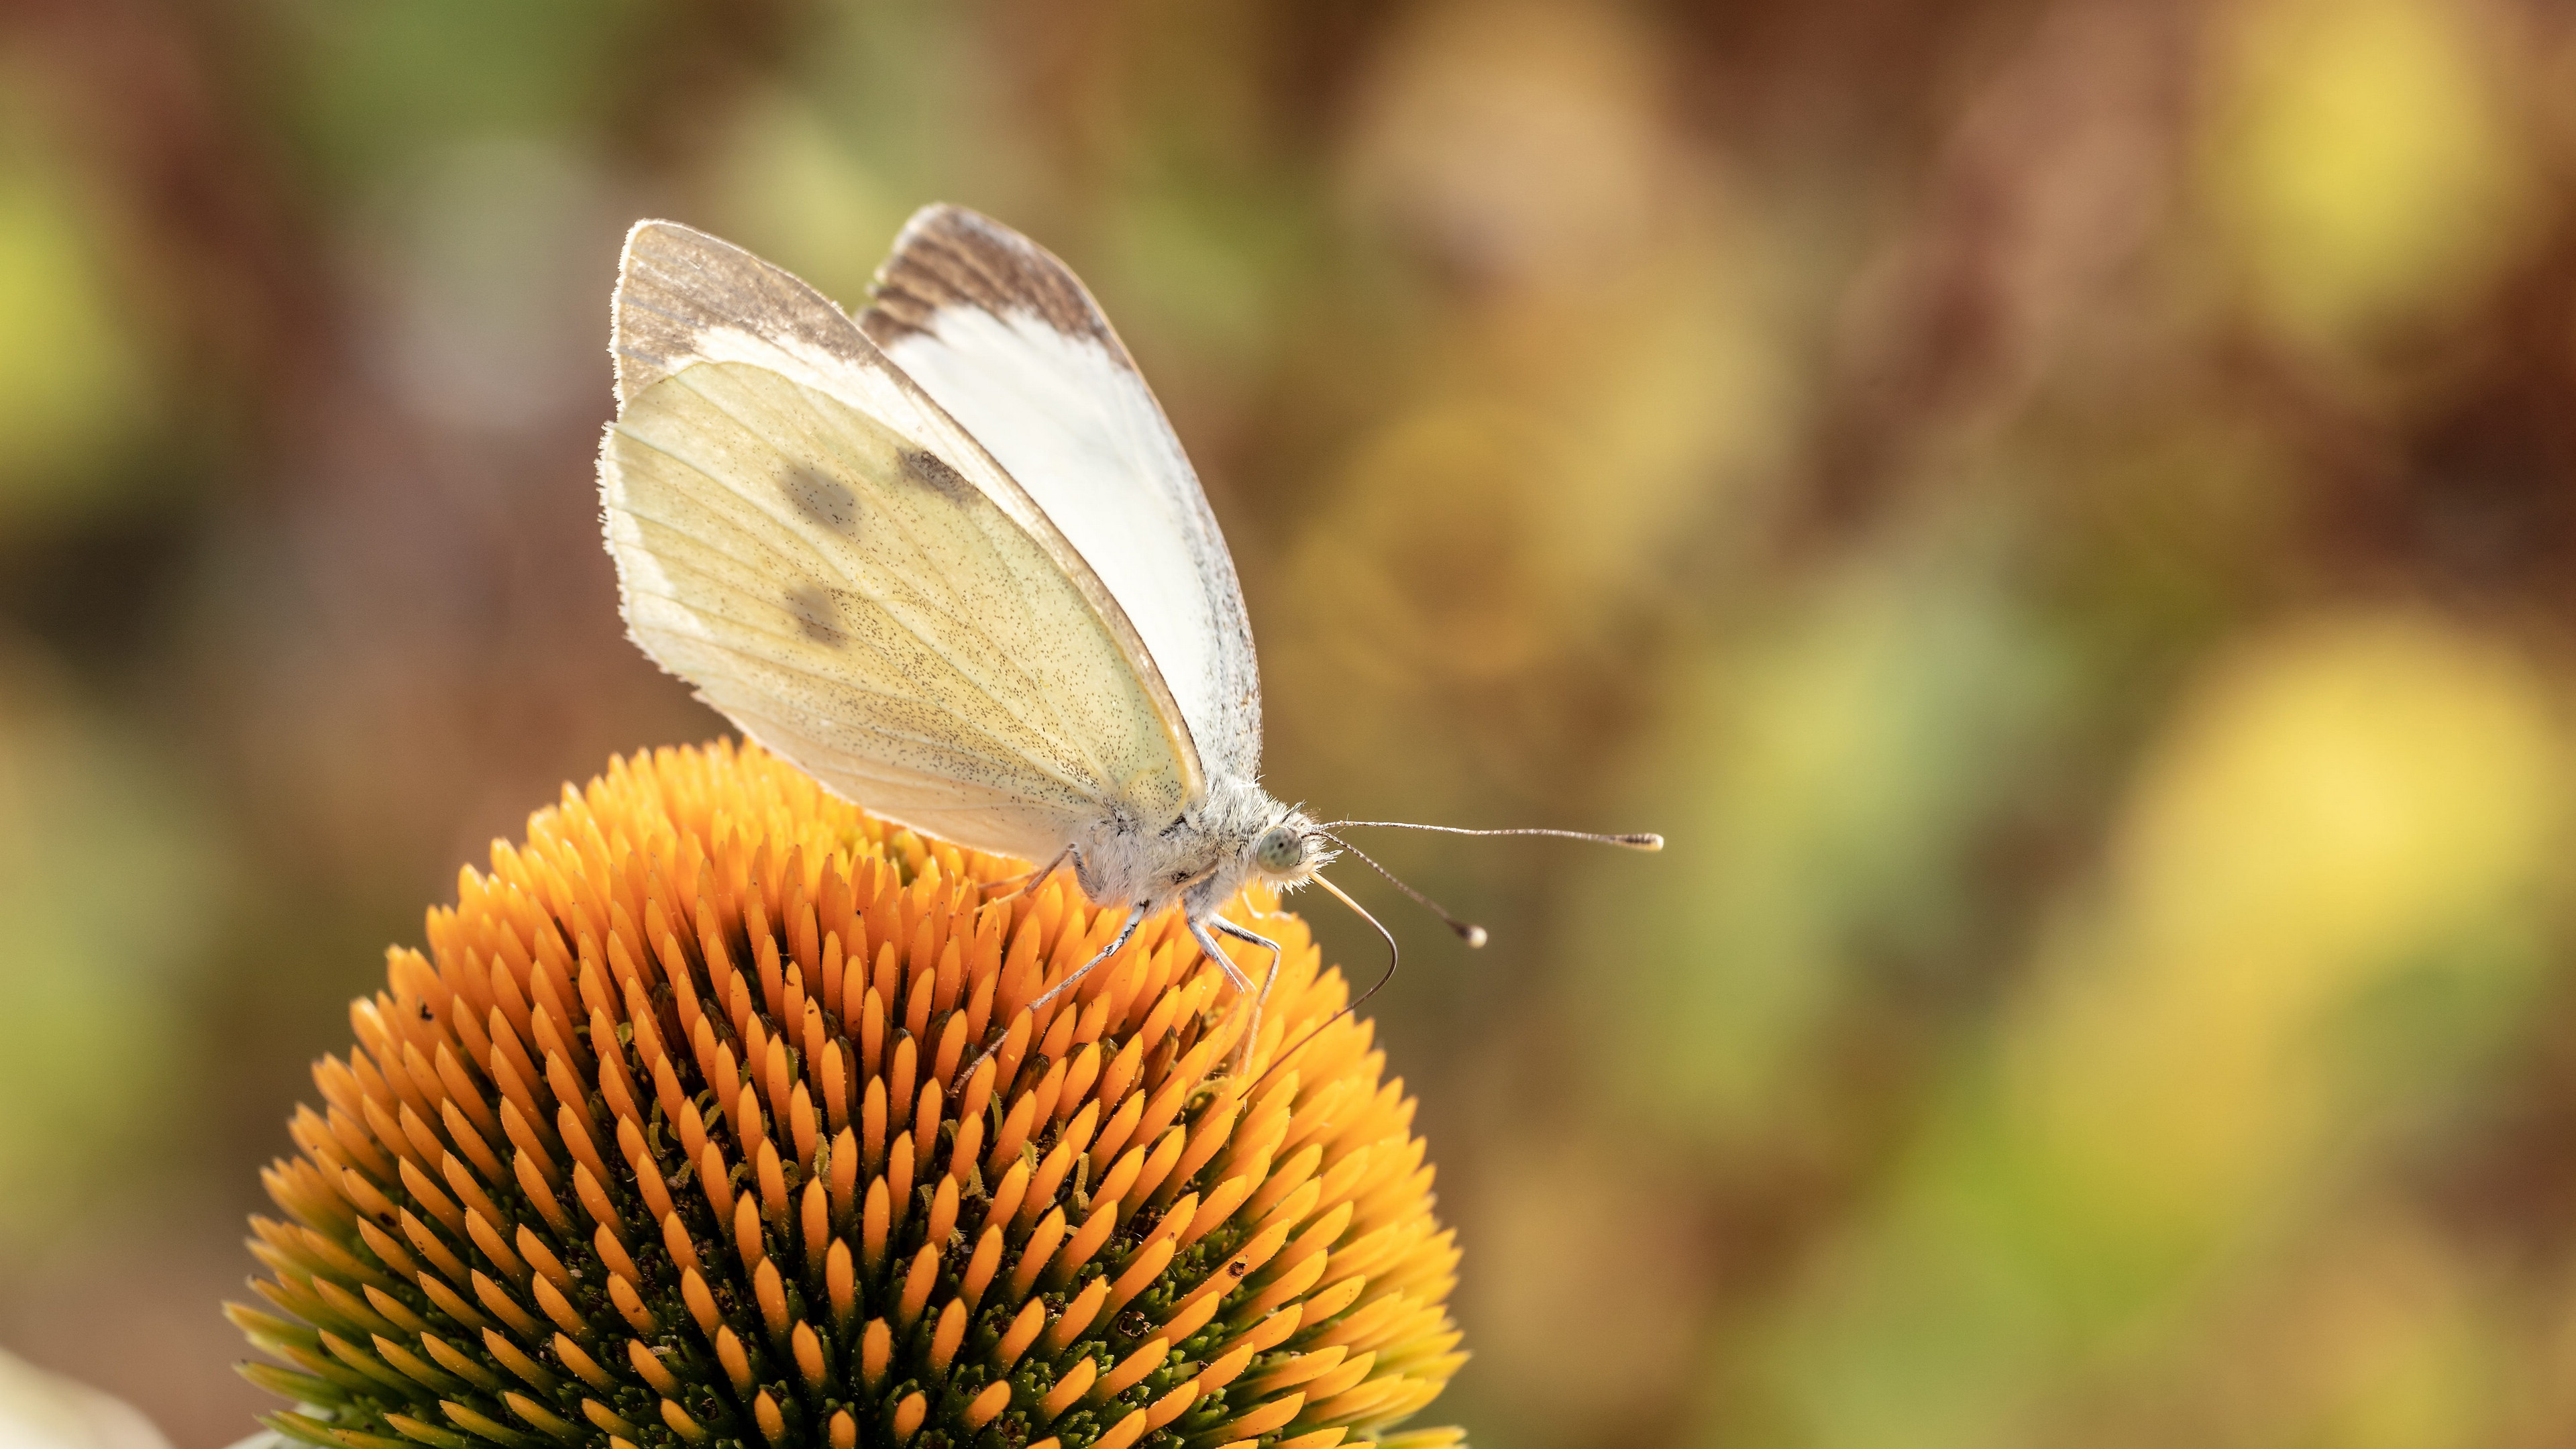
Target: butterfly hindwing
[{"x": 1008, "y": 341}]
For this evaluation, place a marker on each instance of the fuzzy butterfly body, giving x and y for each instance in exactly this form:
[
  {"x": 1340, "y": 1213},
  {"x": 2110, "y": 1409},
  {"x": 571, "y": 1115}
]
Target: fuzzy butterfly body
[{"x": 948, "y": 558}]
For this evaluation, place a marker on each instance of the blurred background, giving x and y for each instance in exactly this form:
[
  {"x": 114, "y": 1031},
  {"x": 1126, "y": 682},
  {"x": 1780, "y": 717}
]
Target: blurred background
[{"x": 2063, "y": 510}]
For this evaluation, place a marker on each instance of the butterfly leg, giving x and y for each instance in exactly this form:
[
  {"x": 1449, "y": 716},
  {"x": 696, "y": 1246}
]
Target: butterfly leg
[
  {"x": 1242, "y": 983},
  {"x": 1073, "y": 978},
  {"x": 1031, "y": 880}
]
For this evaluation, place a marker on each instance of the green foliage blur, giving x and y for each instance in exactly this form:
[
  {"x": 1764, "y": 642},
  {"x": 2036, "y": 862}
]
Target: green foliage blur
[{"x": 2063, "y": 510}]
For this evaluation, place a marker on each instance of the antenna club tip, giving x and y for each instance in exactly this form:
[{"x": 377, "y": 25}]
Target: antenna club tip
[
  {"x": 1472, "y": 935},
  {"x": 1642, "y": 842}
]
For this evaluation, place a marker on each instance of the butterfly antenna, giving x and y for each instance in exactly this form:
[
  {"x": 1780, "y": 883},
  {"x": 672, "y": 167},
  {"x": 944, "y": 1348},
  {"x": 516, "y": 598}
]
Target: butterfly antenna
[
  {"x": 1628, "y": 842},
  {"x": 1468, "y": 931},
  {"x": 1393, "y": 956}
]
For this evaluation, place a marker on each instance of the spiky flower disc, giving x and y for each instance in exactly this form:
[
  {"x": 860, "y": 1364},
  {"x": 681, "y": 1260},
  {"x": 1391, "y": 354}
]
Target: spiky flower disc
[{"x": 664, "y": 1143}]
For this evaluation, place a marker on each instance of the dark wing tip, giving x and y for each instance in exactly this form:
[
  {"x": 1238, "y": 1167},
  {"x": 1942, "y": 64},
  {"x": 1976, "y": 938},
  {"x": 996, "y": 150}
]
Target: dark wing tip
[
  {"x": 675, "y": 282},
  {"x": 947, "y": 216},
  {"x": 655, "y": 249},
  {"x": 645, "y": 334},
  {"x": 654, "y": 226},
  {"x": 951, "y": 256}
]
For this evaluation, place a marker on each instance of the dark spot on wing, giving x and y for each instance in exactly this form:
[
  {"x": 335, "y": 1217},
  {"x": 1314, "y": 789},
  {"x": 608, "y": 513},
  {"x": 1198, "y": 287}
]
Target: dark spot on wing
[
  {"x": 926, "y": 469},
  {"x": 822, "y": 500},
  {"x": 818, "y": 617}
]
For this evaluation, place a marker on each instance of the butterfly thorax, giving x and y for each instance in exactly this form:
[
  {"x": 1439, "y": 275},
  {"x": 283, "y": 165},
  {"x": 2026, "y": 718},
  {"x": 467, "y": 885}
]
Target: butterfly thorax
[{"x": 1201, "y": 859}]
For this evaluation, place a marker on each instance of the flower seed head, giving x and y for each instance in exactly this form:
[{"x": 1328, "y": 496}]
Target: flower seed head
[{"x": 670, "y": 1139}]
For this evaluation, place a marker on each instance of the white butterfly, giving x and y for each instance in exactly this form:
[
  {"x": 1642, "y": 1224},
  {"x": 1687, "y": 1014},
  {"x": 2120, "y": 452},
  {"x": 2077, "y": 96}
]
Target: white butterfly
[{"x": 949, "y": 558}]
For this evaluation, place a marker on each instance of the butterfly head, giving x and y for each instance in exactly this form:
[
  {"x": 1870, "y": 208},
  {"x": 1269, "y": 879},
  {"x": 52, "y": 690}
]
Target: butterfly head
[
  {"x": 1279, "y": 850},
  {"x": 1289, "y": 850}
]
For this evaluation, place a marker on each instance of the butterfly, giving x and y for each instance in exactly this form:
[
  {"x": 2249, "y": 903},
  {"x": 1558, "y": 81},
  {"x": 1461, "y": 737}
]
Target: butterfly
[{"x": 948, "y": 557}]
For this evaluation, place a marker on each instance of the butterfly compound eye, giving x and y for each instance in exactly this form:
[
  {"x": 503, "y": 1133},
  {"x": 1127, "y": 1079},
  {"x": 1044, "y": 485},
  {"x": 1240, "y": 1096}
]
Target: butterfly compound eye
[{"x": 1279, "y": 850}]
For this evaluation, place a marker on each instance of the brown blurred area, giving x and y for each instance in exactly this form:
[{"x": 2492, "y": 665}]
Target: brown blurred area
[{"x": 2063, "y": 510}]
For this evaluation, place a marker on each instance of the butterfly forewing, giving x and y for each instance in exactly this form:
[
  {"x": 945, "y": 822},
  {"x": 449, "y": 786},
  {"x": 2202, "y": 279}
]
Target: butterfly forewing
[
  {"x": 1006, "y": 339},
  {"x": 837, "y": 567}
]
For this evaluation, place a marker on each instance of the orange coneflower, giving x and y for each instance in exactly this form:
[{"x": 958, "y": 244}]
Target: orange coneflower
[{"x": 664, "y": 1143}]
